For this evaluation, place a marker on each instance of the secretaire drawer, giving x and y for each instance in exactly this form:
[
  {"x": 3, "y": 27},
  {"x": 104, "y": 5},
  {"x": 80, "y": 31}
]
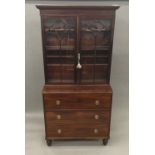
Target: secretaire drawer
[
  {"x": 77, "y": 130},
  {"x": 70, "y": 116},
  {"x": 77, "y": 101}
]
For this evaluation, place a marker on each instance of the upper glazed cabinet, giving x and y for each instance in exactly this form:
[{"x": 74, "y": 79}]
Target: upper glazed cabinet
[{"x": 77, "y": 46}]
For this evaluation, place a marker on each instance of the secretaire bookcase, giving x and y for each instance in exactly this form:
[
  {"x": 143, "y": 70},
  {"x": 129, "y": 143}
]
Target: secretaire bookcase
[{"x": 77, "y": 52}]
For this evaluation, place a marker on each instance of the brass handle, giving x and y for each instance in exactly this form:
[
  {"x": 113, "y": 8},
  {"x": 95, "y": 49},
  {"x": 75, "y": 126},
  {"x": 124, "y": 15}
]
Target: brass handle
[
  {"x": 58, "y": 116},
  {"x": 97, "y": 102},
  {"x": 59, "y": 131},
  {"x": 57, "y": 102},
  {"x": 79, "y": 66},
  {"x": 95, "y": 131},
  {"x": 96, "y": 116}
]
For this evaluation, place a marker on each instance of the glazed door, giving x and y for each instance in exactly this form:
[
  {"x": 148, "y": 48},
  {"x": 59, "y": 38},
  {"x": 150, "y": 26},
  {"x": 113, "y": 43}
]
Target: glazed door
[
  {"x": 77, "y": 49},
  {"x": 95, "y": 49},
  {"x": 60, "y": 49}
]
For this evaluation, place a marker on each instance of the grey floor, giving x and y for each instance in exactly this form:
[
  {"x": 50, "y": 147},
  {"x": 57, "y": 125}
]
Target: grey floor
[{"x": 117, "y": 145}]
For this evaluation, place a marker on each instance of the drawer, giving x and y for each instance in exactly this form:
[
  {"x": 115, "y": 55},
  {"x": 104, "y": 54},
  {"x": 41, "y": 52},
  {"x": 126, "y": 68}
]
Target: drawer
[
  {"x": 77, "y": 131},
  {"x": 77, "y": 101},
  {"x": 69, "y": 117}
]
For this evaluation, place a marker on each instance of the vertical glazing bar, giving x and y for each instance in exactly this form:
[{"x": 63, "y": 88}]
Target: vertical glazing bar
[
  {"x": 59, "y": 52},
  {"x": 68, "y": 38},
  {"x": 61, "y": 56},
  {"x": 78, "y": 71},
  {"x": 95, "y": 35},
  {"x": 60, "y": 59},
  {"x": 78, "y": 32}
]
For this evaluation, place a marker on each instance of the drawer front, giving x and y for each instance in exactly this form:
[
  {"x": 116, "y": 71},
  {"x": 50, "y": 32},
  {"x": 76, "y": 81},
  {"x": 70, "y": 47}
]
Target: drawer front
[
  {"x": 77, "y": 101},
  {"x": 69, "y": 117},
  {"x": 77, "y": 131}
]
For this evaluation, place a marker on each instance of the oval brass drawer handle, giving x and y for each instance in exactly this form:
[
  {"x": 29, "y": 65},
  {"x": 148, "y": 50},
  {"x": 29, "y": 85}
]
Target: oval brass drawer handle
[
  {"x": 57, "y": 102},
  {"x": 95, "y": 131},
  {"x": 59, "y": 131},
  {"x": 58, "y": 116},
  {"x": 96, "y": 116},
  {"x": 97, "y": 102}
]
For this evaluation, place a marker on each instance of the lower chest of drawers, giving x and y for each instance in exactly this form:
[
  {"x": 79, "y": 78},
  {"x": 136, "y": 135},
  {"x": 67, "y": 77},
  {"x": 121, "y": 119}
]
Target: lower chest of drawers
[
  {"x": 77, "y": 115},
  {"x": 77, "y": 124}
]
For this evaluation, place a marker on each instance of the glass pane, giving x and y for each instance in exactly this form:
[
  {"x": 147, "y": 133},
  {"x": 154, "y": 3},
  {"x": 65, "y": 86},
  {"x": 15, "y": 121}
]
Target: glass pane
[
  {"x": 60, "y": 33},
  {"x": 60, "y": 41},
  {"x": 95, "y": 44},
  {"x": 95, "y": 34}
]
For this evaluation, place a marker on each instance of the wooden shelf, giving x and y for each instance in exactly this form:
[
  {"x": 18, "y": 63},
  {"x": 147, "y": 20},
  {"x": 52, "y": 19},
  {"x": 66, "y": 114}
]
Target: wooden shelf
[
  {"x": 54, "y": 65},
  {"x": 58, "y": 30},
  {"x": 71, "y": 48},
  {"x": 95, "y": 65},
  {"x": 49, "y": 64},
  {"x": 97, "y": 48},
  {"x": 60, "y": 56},
  {"x": 86, "y": 81},
  {"x": 82, "y": 56},
  {"x": 93, "y": 56},
  {"x": 59, "y": 81},
  {"x": 94, "y": 30}
]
